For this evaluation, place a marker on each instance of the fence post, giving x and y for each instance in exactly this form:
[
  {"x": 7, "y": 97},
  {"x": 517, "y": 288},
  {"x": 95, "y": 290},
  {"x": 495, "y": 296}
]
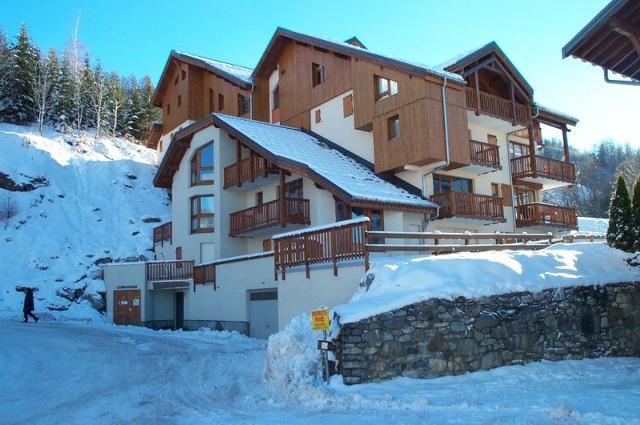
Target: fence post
[
  {"x": 305, "y": 253},
  {"x": 366, "y": 242},
  {"x": 334, "y": 249}
]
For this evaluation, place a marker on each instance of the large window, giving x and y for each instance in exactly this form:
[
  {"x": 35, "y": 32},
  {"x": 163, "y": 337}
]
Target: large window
[
  {"x": 202, "y": 214},
  {"x": 317, "y": 73},
  {"x": 443, "y": 184},
  {"x": 202, "y": 165},
  {"x": 384, "y": 87},
  {"x": 393, "y": 127},
  {"x": 517, "y": 150},
  {"x": 243, "y": 104},
  {"x": 345, "y": 212}
]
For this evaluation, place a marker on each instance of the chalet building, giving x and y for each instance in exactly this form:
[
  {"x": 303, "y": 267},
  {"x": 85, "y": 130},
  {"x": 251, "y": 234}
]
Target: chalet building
[{"x": 276, "y": 173}]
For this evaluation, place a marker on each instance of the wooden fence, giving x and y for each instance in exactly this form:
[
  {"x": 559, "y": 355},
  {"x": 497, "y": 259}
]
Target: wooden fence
[
  {"x": 162, "y": 234},
  {"x": 539, "y": 166},
  {"x": 484, "y": 154},
  {"x": 169, "y": 270}
]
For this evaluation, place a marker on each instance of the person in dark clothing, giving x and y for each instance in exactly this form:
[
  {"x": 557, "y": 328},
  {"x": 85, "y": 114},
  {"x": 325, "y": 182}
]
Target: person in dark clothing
[{"x": 28, "y": 306}]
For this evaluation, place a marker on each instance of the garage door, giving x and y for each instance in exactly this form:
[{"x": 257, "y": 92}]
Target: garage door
[
  {"x": 126, "y": 310},
  {"x": 263, "y": 313}
]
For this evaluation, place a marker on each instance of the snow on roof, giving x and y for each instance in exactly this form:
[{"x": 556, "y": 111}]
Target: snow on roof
[
  {"x": 401, "y": 281},
  {"x": 444, "y": 65},
  {"x": 237, "y": 71},
  {"x": 555, "y": 112},
  {"x": 343, "y": 171}
]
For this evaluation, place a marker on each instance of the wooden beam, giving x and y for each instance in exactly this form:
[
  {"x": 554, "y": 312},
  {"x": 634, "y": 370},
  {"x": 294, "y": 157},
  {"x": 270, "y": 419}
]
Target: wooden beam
[
  {"x": 513, "y": 105},
  {"x": 477, "y": 95},
  {"x": 565, "y": 144},
  {"x": 624, "y": 28},
  {"x": 532, "y": 148},
  {"x": 239, "y": 162},
  {"x": 282, "y": 204},
  {"x": 478, "y": 67}
]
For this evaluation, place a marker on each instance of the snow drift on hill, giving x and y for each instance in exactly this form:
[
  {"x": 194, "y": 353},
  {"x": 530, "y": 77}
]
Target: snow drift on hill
[
  {"x": 592, "y": 225},
  {"x": 80, "y": 201}
]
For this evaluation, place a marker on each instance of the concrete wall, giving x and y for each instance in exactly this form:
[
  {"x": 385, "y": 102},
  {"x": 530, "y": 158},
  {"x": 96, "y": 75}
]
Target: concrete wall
[{"x": 127, "y": 276}]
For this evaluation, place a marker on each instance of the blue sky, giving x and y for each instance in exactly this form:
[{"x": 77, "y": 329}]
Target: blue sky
[{"x": 136, "y": 37}]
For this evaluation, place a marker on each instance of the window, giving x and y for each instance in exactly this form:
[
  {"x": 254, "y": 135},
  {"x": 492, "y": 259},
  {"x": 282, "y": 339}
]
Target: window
[
  {"x": 202, "y": 214},
  {"x": 184, "y": 74},
  {"x": 495, "y": 189},
  {"x": 168, "y": 109},
  {"x": 220, "y": 102},
  {"x": 443, "y": 184},
  {"x": 243, "y": 105},
  {"x": 525, "y": 196},
  {"x": 266, "y": 245},
  {"x": 211, "y": 101},
  {"x": 491, "y": 139},
  {"x": 276, "y": 97},
  {"x": 318, "y": 116},
  {"x": 178, "y": 253},
  {"x": 517, "y": 150},
  {"x": 179, "y": 100},
  {"x": 318, "y": 75},
  {"x": 202, "y": 165},
  {"x": 259, "y": 198},
  {"x": 384, "y": 87},
  {"x": 347, "y": 106},
  {"x": 393, "y": 127},
  {"x": 175, "y": 80}
]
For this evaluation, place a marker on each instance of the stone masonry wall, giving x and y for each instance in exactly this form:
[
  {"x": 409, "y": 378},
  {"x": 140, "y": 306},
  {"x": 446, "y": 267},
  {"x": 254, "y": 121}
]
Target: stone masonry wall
[{"x": 441, "y": 337}]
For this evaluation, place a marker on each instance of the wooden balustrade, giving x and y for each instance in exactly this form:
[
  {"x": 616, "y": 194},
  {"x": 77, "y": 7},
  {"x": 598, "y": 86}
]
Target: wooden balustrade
[
  {"x": 162, "y": 234},
  {"x": 204, "y": 274},
  {"x": 469, "y": 205},
  {"x": 296, "y": 211},
  {"x": 539, "y": 166},
  {"x": 250, "y": 168},
  {"x": 539, "y": 214},
  {"x": 169, "y": 270},
  {"x": 484, "y": 154},
  {"x": 497, "y": 106},
  {"x": 343, "y": 242}
]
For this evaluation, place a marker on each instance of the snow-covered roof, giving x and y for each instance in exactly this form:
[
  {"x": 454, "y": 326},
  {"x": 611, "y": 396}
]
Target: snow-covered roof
[
  {"x": 557, "y": 113},
  {"x": 305, "y": 150},
  {"x": 239, "y": 72}
]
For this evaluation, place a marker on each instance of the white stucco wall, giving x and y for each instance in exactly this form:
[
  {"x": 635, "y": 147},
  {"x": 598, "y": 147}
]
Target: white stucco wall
[{"x": 127, "y": 277}]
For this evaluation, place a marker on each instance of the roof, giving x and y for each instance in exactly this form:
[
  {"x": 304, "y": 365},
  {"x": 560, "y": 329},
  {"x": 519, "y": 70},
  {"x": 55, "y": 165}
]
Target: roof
[
  {"x": 348, "y": 49},
  {"x": 555, "y": 115},
  {"x": 605, "y": 41}
]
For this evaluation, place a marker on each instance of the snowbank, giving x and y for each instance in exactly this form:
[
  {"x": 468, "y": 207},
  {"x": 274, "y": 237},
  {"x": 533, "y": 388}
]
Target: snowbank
[
  {"x": 394, "y": 282},
  {"x": 88, "y": 207}
]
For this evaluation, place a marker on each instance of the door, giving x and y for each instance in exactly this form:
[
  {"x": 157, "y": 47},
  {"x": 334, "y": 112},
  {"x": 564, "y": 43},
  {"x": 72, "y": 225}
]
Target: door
[
  {"x": 179, "y": 310},
  {"x": 126, "y": 307},
  {"x": 263, "y": 314}
]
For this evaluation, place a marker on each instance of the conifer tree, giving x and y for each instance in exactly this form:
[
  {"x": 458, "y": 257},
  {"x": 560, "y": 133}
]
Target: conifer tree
[
  {"x": 53, "y": 69},
  {"x": 24, "y": 63},
  {"x": 620, "y": 231},
  {"x": 5, "y": 66},
  {"x": 635, "y": 213},
  {"x": 64, "y": 116}
]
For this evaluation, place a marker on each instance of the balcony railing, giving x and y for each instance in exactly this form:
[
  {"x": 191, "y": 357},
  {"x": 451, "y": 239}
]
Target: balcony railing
[
  {"x": 539, "y": 214},
  {"x": 162, "y": 234},
  {"x": 169, "y": 270},
  {"x": 497, "y": 107},
  {"x": 250, "y": 168},
  {"x": 484, "y": 154},
  {"x": 539, "y": 166},
  {"x": 296, "y": 211},
  {"x": 469, "y": 205}
]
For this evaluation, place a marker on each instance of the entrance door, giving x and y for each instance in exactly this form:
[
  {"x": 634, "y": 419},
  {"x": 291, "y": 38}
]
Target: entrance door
[
  {"x": 126, "y": 307},
  {"x": 179, "y": 310},
  {"x": 263, "y": 314}
]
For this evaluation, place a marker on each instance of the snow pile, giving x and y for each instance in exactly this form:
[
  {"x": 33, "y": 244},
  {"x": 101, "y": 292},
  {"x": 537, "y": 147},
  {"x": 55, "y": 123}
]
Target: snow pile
[
  {"x": 80, "y": 201},
  {"x": 394, "y": 282},
  {"x": 592, "y": 225}
]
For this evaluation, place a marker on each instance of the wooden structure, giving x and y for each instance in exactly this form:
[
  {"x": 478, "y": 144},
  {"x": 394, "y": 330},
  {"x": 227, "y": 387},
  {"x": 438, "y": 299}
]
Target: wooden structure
[
  {"x": 469, "y": 205},
  {"x": 539, "y": 214},
  {"x": 534, "y": 167},
  {"x": 162, "y": 234},
  {"x": 484, "y": 154},
  {"x": 169, "y": 270},
  {"x": 247, "y": 170},
  {"x": 283, "y": 211},
  {"x": 127, "y": 305}
]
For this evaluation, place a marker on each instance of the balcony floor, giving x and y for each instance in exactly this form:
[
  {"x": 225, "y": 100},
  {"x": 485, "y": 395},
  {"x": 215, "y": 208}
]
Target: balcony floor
[{"x": 546, "y": 182}]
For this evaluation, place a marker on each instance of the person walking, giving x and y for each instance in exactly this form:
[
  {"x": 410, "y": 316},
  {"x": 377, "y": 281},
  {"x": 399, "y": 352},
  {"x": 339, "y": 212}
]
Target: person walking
[{"x": 28, "y": 306}]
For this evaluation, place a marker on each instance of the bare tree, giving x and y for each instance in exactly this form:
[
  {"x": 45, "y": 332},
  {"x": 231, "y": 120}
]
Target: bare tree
[
  {"x": 8, "y": 209},
  {"x": 42, "y": 91}
]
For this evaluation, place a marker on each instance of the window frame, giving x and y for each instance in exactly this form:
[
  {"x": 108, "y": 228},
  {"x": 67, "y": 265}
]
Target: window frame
[
  {"x": 275, "y": 97},
  {"x": 243, "y": 105},
  {"x": 392, "y": 134},
  {"x": 199, "y": 216},
  {"x": 196, "y": 166},
  {"x": 451, "y": 181},
  {"x": 220, "y": 102},
  {"x": 391, "y": 90},
  {"x": 318, "y": 74}
]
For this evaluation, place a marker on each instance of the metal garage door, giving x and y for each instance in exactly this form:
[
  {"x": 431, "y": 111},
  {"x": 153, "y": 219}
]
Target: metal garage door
[{"x": 263, "y": 313}]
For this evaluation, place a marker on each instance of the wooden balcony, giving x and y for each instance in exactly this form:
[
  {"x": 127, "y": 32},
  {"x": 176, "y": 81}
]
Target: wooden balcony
[
  {"x": 543, "y": 215},
  {"x": 162, "y": 234},
  {"x": 551, "y": 173},
  {"x": 484, "y": 154},
  {"x": 469, "y": 206},
  {"x": 296, "y": 211},
  {"x": 249, "y": 170},
  {"x": 169, "y": 270},
  {"x": 497, "y": 107}
]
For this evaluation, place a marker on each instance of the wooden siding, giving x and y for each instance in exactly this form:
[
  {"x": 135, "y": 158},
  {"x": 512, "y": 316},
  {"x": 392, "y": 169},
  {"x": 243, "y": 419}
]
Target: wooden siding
[{"x": 178, "y": 114}]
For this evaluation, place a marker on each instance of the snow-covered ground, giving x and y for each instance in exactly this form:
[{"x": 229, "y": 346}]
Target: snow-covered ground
[
  {"x": 90, "y": 205},
  {"x": 60, "y": 372},
  {"x": 592, "y": 225}
]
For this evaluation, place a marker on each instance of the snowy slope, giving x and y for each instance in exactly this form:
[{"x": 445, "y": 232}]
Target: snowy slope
[
  {"x": 89, "y": 203},
  {"x": 592, "y": 225}
]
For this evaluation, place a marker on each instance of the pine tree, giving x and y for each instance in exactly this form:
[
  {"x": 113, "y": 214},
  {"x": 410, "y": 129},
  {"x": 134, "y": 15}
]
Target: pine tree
[
  {"x": 24, "y": 64},
  {"x": 151, "y": 113},
  {"x": 5, "y": 67},
  {"x": 53, "y": 69},
  {"x": 134, "y": 111},
  {"x": 620, "y": 231},
  {"x": 635, "y": 212},
  {"x": 63, "y": 111},
  {"x": 114, "y": 103},
  {"x": 97, "y": 93}
]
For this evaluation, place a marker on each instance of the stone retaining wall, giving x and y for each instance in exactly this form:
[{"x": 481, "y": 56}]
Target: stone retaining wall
[{"x": 441, "y": 337}]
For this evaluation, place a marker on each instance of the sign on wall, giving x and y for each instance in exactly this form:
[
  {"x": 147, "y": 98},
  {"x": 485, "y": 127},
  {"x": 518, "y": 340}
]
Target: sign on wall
[{"x": 320, "y": 319}]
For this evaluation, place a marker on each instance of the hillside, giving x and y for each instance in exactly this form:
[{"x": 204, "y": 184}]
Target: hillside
[{"x": 78, "y": 201}]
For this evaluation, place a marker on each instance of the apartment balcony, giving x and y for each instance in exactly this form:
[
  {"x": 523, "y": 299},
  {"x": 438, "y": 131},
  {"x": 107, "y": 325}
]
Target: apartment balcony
[
  {"x": 244, "y": 175},
  {"x": 463, "y": 206},
  {"x": 162, "y": 235},
  {"x": 169, "y": 270},
  {"x": 485, "y": 157},
  {"x": 545, "y": 215},
  {"x": 550, "y": 173},
  {"x": 289, "y": 212},
  {"x": 497, "y": 107}
]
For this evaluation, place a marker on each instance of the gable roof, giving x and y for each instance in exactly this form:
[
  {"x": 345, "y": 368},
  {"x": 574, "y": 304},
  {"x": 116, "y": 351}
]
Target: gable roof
[
  {"x": 603, "y": 41},
  {"x": 348, "y": 49},
  {"x": 555, "y": 116},
  {"x": 235, "y": 74},
  {"x": 346, "y": 176},
  {"x": 460, "y": 62}
]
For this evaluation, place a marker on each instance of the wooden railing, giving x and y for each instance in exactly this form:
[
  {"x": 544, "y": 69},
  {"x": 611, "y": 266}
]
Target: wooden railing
[
  {"x": 296, "y": 211},
  {"x": 539, "y": 166},
  {"x": 169, "y": 270},
  {"x": 484, "y": 154},
  {"x": 469, "y": 205},
  {"x": 247, "y": 172},
  {"x": 162, "y": 234},
  {"x": 204, "y": 274},
  {"x": 342, "y": 242},
  {"x": 539, "y": 214},
  {"x": 497, "y": 106}
]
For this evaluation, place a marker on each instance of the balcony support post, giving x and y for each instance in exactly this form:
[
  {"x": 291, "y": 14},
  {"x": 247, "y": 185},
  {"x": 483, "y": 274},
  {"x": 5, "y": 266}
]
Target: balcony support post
[
  {"x": 281, "y": 200},
  {"x": 477, "y": 93},
  {"x": 565, "y": 144},
  {"x": 532, "y": 148},
  {"x": 513, "y": 105},
  {"x": 239, "y": 162}
]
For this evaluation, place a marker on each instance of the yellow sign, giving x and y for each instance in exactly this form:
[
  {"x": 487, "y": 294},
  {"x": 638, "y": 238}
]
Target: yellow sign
[{"x": 320, "y": 320}]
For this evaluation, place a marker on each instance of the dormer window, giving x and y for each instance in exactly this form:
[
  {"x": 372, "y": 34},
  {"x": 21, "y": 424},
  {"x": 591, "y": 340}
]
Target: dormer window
[
  {"x": 384, "y": 87},
  {"x": 243, "y": 104},
  {"x": 317, "y": 73}
]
